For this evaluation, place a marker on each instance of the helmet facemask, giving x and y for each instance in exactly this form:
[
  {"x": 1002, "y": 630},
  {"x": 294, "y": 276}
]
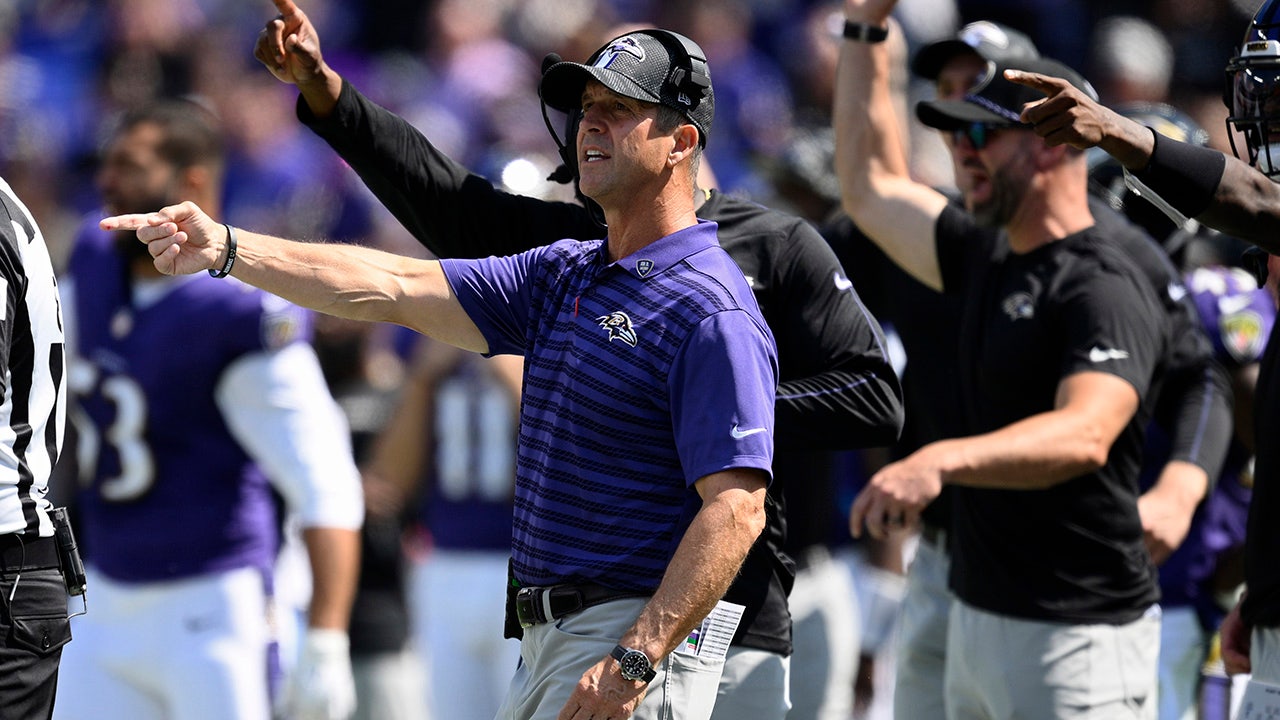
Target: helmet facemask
[{"x": 1252, "y": 95}]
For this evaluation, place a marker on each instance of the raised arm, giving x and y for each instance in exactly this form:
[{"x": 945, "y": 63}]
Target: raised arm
[
  {"x": 450, "y": 210},
  {"x": 289, "y": 47},
  {"x": 876, "y": 188},
  {"x": 343, "y": 280},
  {"x": 1217, "y": 189}
]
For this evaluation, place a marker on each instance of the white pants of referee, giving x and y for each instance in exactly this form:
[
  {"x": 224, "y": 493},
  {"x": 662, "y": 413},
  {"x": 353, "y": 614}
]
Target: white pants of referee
[
  {"x": 1001, "y": 668},
  {"x": 457, "y": 602},
  {"x": 192, "y": 649},
  {"x": 554, "y": 655}
]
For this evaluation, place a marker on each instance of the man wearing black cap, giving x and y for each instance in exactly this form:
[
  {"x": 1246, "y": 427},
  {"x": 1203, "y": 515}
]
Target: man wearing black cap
[
  {"x": 646, "y": 432},
  {"x": 1238, "y": 195},
  {"x": 1057, "y": 352},
  {"x": 837, "y": 390},
  {"x": 1193, "y": 411}
]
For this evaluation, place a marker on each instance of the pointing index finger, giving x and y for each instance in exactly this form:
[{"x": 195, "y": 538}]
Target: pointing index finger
[
  {"x": 1044, "y": 83},
  {"x": 132, "y": 221},
  {"x": 286, "y": 7}
]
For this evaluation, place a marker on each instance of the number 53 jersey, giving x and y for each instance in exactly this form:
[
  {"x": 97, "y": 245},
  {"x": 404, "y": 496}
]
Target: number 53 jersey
[{"x": 167, "y": 490}]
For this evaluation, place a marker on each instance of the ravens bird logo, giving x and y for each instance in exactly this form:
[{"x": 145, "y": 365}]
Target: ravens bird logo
[
  {"x": 621, "y": 46},
  {"x": 619, "y": 327},
  {"x": 1019, "y": 306}
]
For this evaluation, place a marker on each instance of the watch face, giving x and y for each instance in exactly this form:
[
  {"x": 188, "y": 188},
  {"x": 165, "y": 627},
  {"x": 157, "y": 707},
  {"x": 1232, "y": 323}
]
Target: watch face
[{"x": 634, "y": 665}]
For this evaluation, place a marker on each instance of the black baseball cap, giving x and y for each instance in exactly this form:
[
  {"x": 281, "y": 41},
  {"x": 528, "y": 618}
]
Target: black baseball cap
[
  {"x": 993, "y": 100},
  {"x": 990, "y": 40},
  {"x": 657, "y": 66}
]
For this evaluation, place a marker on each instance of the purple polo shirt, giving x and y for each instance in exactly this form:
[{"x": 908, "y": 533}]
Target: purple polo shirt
[{"x": 641, "y": 377}]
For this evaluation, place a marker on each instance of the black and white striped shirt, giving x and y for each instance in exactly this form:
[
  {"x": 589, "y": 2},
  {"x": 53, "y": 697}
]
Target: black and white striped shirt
[{"x": 33, "y": 404}]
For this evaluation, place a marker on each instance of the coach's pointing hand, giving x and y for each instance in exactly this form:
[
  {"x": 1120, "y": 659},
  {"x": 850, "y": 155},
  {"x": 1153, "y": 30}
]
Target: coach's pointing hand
[
  {"x": 1068, "y": 116},
  {"x": 181, "y": 238}
]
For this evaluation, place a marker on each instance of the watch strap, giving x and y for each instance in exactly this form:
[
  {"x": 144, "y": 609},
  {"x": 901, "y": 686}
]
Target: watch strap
[{"x": 619, "y": 652}]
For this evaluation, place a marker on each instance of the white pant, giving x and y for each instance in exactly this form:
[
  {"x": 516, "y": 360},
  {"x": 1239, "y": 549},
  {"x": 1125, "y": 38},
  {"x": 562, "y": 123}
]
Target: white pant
[
  {"x": 458, "y": 602},
  {"x": 192, "y": 649},
  {"x": 825, "y": 635},
  {"x": 922, "y": 645},
  {"x": 389, "y": 687},
  {"x": 1183, "y": 645}
]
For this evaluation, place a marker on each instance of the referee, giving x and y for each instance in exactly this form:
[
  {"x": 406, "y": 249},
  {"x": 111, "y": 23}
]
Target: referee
[{"x": 33, "y": 598}]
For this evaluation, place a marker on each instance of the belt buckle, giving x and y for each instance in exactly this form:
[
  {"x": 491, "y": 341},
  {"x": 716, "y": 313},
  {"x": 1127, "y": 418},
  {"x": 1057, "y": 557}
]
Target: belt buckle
[{"x": 526, "y": 607}]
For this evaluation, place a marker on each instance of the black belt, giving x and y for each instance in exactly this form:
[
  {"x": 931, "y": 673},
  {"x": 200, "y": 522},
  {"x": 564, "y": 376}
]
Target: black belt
[
  {"x": 25, "y": 552},
  {"x": 535, "y": 605}
]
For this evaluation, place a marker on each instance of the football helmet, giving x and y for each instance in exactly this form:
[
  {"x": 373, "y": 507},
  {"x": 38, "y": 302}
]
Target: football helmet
[{"x": 1252, "y": 91}]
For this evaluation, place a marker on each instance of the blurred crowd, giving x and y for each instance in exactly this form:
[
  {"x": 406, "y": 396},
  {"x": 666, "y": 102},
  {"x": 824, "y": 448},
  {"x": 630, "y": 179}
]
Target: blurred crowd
[{"x": 464, "y": 72}]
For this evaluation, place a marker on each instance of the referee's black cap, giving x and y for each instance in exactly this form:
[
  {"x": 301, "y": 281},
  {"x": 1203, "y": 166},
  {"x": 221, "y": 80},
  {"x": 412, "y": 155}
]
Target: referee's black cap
[
  {"x": 995, "y": 101},
  {"x": 990, "y": 40},
  {"x": 652, "y": 65}
]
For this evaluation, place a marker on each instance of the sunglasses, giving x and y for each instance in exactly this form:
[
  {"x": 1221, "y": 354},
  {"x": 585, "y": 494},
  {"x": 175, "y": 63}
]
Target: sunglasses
[{"x": 978, "y": 134}]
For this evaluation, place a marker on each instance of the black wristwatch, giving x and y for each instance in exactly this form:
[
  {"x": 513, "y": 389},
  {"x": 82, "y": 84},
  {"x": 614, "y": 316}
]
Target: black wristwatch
[{"x": 634, "y": 664}]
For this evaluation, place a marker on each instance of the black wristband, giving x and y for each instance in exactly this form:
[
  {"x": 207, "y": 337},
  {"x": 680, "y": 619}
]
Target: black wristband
[
  {"x": 231, "y": 255},
  {"x": 1186, "y": 176},
  {"x": 863, "y": 32}
]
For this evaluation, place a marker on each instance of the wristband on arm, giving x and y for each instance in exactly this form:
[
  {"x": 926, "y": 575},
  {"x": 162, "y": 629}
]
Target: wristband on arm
[
  {"x": 862, "y": 32},
  {"x": 1185, "y": 176},
  {"x": 231, "y": 255}
]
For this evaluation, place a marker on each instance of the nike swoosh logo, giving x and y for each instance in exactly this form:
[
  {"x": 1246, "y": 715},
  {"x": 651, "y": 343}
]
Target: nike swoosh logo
[
  {"x": 737, "y": 434},
  {"x": 843, "y": 283},
  {"x": 1098, "y": 355}
]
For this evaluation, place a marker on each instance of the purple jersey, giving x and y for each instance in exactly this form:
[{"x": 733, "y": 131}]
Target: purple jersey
[
  {"x": 471, "y": 482},
  {"x": 1236, "y": 313},
  {"x": 169, "y": 493},
  {"x": 641, "y": 376}
]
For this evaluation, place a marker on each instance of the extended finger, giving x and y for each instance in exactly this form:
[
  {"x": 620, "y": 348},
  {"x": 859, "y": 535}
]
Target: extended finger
[
  {"x": 1046, "y": 84},
  {"x": 130, "y": 221},
  {"x": 286, "y": 7},
  {"x": 161, "y": 231}
]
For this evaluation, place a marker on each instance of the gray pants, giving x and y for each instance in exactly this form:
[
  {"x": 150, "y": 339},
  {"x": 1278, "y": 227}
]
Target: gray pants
[
  {"x": 1003, "y": 668},
  {"x": 553, "y": 657},
  {"x": 754, "y": 686},
  {"x": 922, "y": 643}
]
